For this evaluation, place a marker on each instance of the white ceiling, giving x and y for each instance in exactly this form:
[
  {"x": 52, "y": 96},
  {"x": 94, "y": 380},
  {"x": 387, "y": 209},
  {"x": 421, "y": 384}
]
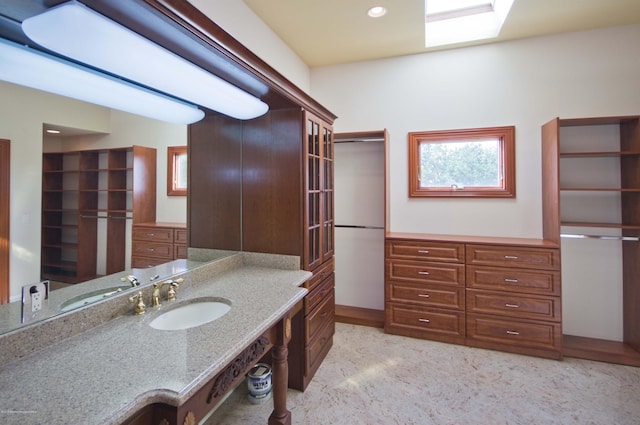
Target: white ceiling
[{"x": 325, "y": 32}]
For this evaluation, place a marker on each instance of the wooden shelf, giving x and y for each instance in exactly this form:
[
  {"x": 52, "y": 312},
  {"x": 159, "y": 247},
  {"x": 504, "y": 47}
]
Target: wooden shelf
[
  {"x": 66, "y": 265},
  {"x": 599, "y": 350},
  {"x": 621, "y": 140},
  {"x": 59, "y": 226},
  {"x": 67, "y": 246}
]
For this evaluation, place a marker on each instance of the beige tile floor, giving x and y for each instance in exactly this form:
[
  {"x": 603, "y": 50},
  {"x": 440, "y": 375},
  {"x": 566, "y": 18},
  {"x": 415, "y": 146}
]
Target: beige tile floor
[{"x": 370, "y": 377}]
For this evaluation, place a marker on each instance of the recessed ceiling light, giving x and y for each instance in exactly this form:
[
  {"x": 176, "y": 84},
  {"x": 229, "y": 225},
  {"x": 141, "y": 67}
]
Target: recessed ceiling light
[
  {"x": 377, "y": 11},
  {"x": 53, "y": 131}
]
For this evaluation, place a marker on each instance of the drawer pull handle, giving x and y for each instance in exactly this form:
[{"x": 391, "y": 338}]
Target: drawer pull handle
[
  {"x": 511, "y": 280},
  {"x": 423, "y": 295},
  {"x": 151, "y": 234},
  {"x": 423, "y": 251},
  {"x": 510, "y": 257},
  {"x": 513, "y": 333},
  {"x": 512, "y": 305},
  {"x": 323, "y": 314},
  {"x": 150, "y": 249},
  {"x": 424, "y": 320},
  {"x": 423, "y": 273}
]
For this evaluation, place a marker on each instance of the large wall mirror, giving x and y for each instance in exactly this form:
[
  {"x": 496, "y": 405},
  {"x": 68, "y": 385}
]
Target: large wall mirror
[{"x": 25, "y": 115}]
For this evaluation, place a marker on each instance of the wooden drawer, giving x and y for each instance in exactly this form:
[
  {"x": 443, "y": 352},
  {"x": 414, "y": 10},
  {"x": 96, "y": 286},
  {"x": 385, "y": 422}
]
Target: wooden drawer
[
  {"x": 534, "y": 258},
  {"x": 536, "y": 335},
  {"x": 319, "y": 347},
  {"x": 146, "y": 262},
  {"x": 155, "y": 250},
  {"x": 513, "y": 280},
  {"x": 180, "y": 236},
  {"x": 427, "y": 295},
  {"x": 313, "y": 298},
  {"x": 320, "y": 274},
  {"x": 425, "y": 250},
  {"x": 425, "y": 322},
  {"x": 514, "y": 305},
  {"x": 324, "y": 313},
  {"x": 425, "y": 272},
  {"x": 153, "y": 234},
  {"x": 179, "y": 251}
]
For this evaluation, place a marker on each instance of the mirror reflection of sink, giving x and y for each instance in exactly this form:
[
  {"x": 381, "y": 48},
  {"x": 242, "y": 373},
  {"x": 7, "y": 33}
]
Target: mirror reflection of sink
[
  {"x": 91, "y": 297},
  {"x": 191, "y": 314}
]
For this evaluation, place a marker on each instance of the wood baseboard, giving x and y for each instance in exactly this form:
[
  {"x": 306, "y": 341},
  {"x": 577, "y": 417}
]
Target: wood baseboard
[
  {"x": 360, "y": 316},
  {"x": 599, "y": 350}
]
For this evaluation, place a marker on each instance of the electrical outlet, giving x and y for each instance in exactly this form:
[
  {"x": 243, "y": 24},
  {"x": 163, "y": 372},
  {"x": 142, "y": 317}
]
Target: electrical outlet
[{"x": 36, "y": 300}]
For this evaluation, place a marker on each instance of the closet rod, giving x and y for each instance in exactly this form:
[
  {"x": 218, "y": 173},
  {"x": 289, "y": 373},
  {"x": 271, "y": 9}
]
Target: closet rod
[
  {"x": 354, "y": 226},
  {"x": 609, "y": 238}
]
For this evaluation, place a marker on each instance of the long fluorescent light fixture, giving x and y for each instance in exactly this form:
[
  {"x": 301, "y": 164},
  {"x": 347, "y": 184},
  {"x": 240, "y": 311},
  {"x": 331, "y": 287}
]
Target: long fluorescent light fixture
[
  {"x": 459, "y": 21},
  {"x": 28, "y": 67},
  {"x": 76, "y": 31}
]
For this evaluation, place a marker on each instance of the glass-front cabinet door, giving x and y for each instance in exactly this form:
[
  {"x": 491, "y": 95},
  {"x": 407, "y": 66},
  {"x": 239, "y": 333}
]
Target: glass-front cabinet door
[{"x": 319, "y": 222}]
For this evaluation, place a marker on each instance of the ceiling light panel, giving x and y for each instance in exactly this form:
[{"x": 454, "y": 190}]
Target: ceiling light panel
[
  {"x": 78, "y": 32},
  {"x": 27, "y": 67}
]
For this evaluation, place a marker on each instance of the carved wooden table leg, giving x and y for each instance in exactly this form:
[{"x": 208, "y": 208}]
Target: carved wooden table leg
[{"x": 280, "y": 375}]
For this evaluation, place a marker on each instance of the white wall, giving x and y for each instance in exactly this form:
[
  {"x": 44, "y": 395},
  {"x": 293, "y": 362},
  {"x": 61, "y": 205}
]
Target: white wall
[
  {"x": 359, "y": 201},
  {"x": 22, "y": 113},
  {"x": 523, "y": 83},
  {"x": 237, "y": 19}
]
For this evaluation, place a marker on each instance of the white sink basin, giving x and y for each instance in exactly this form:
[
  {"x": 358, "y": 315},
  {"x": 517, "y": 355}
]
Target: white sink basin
[
  {"x": 92, "y": 297},
  {"x": 191, "y": 315}
]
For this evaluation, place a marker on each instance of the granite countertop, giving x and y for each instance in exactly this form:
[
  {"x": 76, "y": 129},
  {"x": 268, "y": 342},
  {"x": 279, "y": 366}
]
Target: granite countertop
[{"x": 107, "y": 373}]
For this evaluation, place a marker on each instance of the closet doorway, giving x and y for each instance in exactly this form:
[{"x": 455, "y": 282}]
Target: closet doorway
[{"x": 360, "y": 218}]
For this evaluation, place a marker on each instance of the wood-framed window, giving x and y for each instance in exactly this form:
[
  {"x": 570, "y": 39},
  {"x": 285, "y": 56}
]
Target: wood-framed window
[
  {"x": 476, "y": 162},
  {"x": 177, "y": 171}
]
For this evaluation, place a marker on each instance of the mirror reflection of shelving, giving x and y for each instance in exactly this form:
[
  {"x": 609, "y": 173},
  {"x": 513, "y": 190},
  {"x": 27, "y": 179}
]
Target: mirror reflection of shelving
[{"x": 87, "y": 211}]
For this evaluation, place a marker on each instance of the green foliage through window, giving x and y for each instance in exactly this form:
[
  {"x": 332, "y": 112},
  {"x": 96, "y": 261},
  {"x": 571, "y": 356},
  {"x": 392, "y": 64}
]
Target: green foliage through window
[
  {"x": 460, "y": 163},
  {"x": 477, "y": 162}
]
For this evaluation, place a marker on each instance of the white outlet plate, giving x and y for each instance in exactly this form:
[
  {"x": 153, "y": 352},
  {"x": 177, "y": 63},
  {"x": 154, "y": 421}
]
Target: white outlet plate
[{"x": 34, "y": 299}]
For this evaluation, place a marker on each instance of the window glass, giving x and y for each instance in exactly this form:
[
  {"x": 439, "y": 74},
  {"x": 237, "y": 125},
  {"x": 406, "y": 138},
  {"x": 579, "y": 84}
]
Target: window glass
[
  {"x": 471, "y": 162},
  {"x": 177, "y": 171}
]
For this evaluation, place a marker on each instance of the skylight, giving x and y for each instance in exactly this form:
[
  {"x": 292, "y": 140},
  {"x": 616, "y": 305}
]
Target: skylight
[{"x": 458, "y": 21}]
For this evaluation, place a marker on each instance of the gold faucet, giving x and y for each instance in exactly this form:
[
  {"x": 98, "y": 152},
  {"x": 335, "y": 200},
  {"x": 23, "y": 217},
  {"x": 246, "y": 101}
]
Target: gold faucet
[
  {"x": 171, "y": 292},
  {"x": 139, "y": 307}
]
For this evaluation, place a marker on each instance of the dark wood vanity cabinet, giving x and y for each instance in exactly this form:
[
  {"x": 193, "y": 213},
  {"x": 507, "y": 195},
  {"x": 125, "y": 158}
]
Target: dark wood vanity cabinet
[{"x": 266, "y": 185}]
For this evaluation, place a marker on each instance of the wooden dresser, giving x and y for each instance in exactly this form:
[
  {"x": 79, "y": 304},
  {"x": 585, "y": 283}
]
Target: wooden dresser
[
  {"x": 158, "y": 243},
  {"x": 496, "y": 293}
]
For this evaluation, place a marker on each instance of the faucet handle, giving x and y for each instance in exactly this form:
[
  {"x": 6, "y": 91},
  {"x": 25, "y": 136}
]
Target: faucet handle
[
  {"x": 139, "y": 307},
  {"x": 173, "y": 285}
]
